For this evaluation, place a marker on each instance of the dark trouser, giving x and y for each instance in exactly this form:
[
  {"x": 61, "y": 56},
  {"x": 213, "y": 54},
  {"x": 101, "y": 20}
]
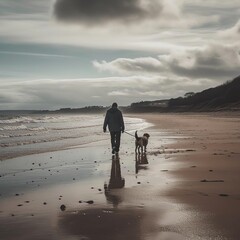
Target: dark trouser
[{"x": 115, "y": 140}]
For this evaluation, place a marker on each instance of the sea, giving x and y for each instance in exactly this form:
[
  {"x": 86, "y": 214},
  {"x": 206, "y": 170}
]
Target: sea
[{"x": 24, "y": 134}]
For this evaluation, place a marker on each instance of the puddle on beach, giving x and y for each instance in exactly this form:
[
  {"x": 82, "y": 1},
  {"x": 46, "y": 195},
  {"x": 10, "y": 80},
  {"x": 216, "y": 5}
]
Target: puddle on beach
[{"x": 84, "y": 193}]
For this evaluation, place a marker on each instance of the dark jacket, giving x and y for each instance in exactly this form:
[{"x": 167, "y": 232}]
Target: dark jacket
[{"x": 114, "y": 120}]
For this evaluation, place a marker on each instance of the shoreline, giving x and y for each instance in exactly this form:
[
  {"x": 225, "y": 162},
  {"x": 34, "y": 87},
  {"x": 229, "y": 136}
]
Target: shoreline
[{"x": 55, "y": 134}]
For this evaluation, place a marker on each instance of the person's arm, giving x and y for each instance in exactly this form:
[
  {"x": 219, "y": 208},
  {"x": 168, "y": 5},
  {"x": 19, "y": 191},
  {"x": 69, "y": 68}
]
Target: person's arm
[
  {"x": 122, "y": 123},
  {"x": 105, "y": 122}
]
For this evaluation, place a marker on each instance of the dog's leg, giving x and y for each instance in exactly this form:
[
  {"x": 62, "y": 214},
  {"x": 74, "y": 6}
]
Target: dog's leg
[
  {"x": 138, "y": 149},
  {"x": 141, "y": 146}
]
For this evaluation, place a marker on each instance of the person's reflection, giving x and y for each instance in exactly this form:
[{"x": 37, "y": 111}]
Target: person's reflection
[
  {"x": 116, "y": 181},
  {"x": 140, "y": 159}
]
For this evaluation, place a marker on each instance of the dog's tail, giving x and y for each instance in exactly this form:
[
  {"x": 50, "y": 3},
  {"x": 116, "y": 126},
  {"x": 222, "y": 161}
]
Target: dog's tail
[{"x": 136, "y": 136}]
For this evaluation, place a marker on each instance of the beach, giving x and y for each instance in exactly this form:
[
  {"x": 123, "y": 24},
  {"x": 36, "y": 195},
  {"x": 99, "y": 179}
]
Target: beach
[
  {"x": 208, "y": 178},
  {"x": 185, "y": 187}
]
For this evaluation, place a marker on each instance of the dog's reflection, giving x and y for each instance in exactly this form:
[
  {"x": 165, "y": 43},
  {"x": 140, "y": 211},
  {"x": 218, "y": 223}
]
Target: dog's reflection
[
  {"x": 141, "y": 161},
  {"x": 116, "y": 181}
]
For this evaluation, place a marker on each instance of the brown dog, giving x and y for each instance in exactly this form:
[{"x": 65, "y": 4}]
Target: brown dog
[{"x": 141, "y": 142}]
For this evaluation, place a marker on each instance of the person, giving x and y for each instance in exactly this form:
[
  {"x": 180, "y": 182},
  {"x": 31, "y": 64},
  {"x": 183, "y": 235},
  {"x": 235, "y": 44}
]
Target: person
[{"x": 114, "y": 121}]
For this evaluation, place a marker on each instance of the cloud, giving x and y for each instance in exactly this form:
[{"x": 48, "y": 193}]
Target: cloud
[
  {"x": 95, "y": 12},
  {"x": 172, "y": 21},
  {"x": 213, "y": 61},
  {"x": 151, "y": 15},
  {"x": 126, "y": 65},
  {"x": 193, "y": 55},
  {"x": 231, "y": 34},
  {"x": 53, "y": 94},
  {"x": 34, "y": 54},
  {"x": 124, "y": 92},
  {"x": 24, "y": 9}
]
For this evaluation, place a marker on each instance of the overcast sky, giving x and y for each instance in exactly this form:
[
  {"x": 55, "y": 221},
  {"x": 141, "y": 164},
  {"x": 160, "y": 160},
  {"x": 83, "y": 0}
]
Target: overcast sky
[{"x": 73, "y": 53}]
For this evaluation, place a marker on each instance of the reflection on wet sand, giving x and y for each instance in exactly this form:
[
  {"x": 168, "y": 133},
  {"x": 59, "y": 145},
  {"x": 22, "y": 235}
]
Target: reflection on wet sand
[
  {"x": 129, "y": 214},
  {"x": 140, "y": 161},
  {"x": 106, "y": 223},
  {"x": 116, "y": 181}
]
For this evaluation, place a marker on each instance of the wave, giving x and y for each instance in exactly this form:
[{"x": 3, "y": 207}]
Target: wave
[
  {"x": 22, "y": 127},
  {"x": 21, "y": 119},
  {"x": 13, "y": 128},
  {"x": 47, "y": 119},
  {"x": 46, "y": 133}
]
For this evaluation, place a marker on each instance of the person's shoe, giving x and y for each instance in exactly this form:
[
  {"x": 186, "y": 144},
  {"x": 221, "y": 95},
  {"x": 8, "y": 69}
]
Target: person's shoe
[{"x": 113, "y": 151}]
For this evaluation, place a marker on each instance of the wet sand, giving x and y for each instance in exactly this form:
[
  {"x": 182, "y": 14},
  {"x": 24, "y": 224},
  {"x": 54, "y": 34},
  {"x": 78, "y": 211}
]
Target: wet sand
[
  {"x": 208, "y": 176},
  {"x": 186, "y": 187}
]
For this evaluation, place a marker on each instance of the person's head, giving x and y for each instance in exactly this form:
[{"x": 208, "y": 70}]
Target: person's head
[{"x": 114, "y": 105}]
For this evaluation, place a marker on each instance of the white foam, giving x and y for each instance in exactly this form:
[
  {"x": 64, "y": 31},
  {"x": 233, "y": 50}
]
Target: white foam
[
  {"x": 13, "y": 128},
  {"x": 31, "y": 119},
  {"x": 37, "y": 129},
  {"x": 3, "y": 135}
]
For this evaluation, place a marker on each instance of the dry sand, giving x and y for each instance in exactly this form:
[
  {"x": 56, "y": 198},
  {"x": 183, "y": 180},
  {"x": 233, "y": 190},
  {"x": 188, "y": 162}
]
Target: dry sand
[{"x": 187, "y": 187}]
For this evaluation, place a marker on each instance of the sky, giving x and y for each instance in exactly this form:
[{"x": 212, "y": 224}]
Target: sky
[{"x": 75, "y": 53}]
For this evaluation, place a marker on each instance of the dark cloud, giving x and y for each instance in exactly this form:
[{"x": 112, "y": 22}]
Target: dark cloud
[
  {"x": 205, "y": 72},
  {"x": 216, "y": 61},
  {"x": 102, "y": 11}
]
